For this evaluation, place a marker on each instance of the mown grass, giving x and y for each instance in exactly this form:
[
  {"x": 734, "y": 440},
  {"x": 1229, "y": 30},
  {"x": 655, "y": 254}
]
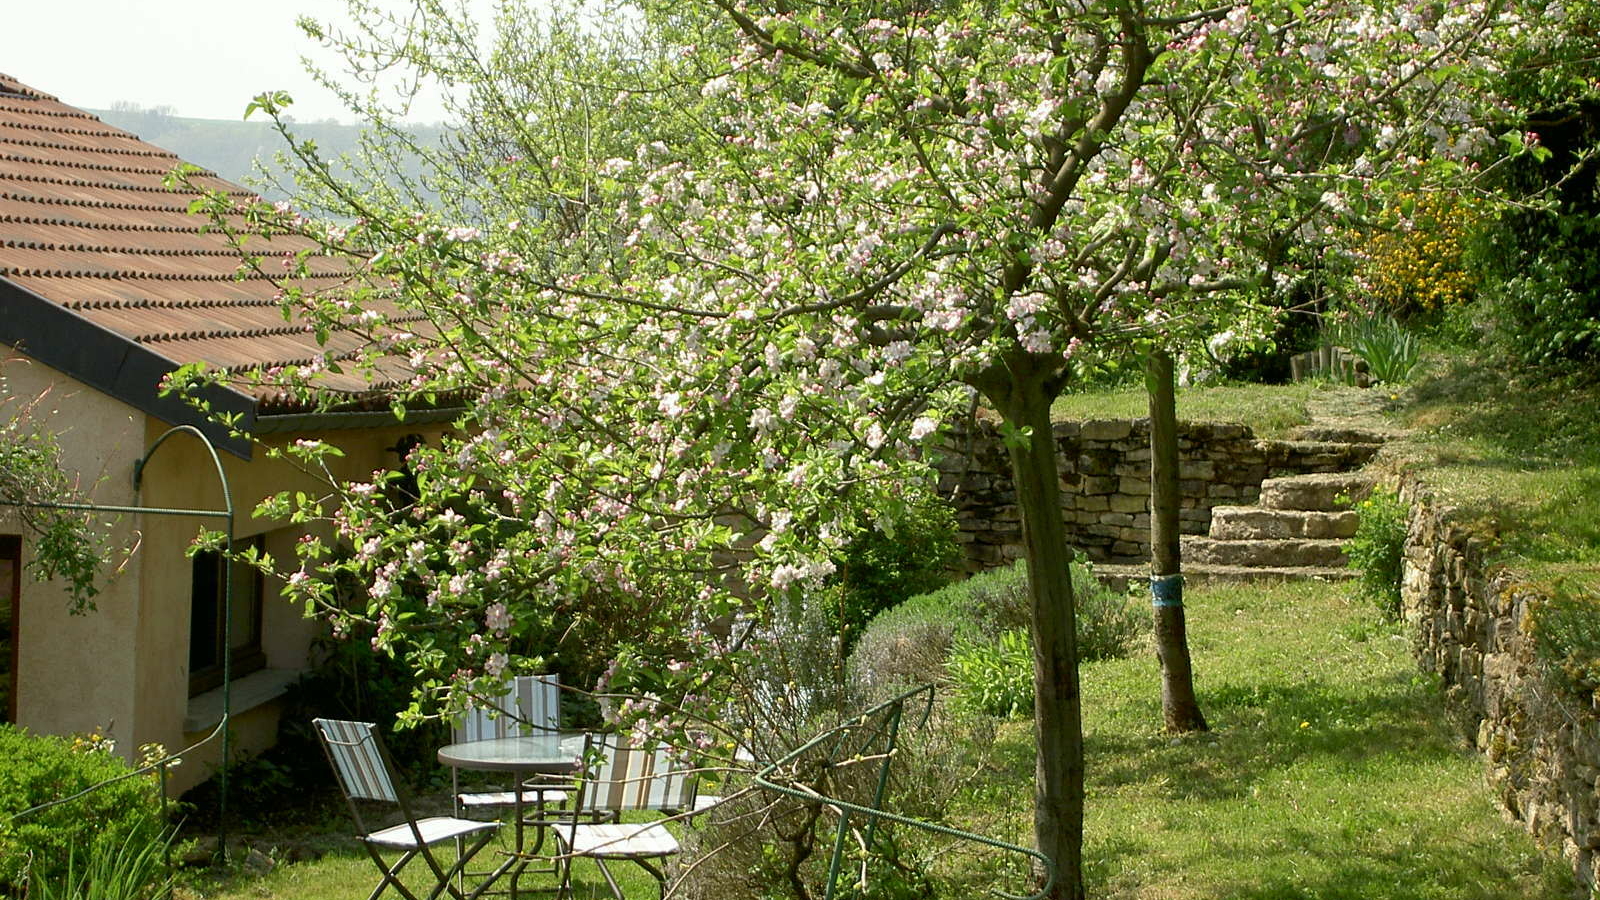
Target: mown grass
[
  {"x": 1329, "y": 772},
  {"x": 1272, "y": 410},
  {"x": 345, "y": 871},
  {"x": 1519, "y": 452}
]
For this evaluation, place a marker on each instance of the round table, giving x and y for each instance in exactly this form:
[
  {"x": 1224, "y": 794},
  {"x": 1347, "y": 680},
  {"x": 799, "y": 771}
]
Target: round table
[
  {"x": 546, "y": 753},
  {"x": 540, "y": 754}
]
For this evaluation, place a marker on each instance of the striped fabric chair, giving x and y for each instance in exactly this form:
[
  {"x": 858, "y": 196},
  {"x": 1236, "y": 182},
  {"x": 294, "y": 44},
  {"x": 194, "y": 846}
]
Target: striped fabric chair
[
  {"x": 361, "y": 765},
  {"x": 532, "y": 703},
  {"x": 625, "y": 779}
]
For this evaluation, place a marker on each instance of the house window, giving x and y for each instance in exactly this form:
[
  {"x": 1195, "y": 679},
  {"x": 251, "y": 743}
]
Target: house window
[
  {"x": 10, "y": 597},
  {"x": 206, "y": 617}
]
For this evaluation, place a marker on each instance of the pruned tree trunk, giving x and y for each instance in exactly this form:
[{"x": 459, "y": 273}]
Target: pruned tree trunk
[
  {"x": 1023, "y": 399},
  {"x": 1179, "y": 708}
]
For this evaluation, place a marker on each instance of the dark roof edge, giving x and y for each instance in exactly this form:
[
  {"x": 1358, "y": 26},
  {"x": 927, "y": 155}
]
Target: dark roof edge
[
  {"x": 322, "y": 421},
  {"x": 114, "y": 365}
]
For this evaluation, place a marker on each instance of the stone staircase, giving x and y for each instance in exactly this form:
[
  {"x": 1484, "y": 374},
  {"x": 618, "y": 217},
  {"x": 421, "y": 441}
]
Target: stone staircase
[{"x": 1296, "y": 530}]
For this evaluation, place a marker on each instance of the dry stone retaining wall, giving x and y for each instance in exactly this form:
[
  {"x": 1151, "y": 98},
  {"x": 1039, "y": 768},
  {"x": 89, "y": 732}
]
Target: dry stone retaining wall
[
  {"x": 1473, "y": 628},
  {"x": 1105, "y": 482}
]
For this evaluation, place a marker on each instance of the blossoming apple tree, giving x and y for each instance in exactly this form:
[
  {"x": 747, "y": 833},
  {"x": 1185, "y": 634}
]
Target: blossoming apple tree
[{"x": 710, "y": 279}]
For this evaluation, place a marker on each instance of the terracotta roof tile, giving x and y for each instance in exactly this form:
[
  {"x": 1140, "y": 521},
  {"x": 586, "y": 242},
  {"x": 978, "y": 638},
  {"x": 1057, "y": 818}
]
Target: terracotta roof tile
[{"x": 87, "y": 222}]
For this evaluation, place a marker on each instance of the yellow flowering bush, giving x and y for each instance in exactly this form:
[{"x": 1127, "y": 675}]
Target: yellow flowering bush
[{"x": 1421, "y": 266}]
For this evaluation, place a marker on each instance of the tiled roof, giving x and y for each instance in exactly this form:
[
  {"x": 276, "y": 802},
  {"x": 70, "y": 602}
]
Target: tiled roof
[{"x": 86, "y": 223}]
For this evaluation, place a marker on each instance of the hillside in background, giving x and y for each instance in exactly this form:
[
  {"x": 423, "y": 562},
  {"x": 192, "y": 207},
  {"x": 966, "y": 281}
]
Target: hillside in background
[{"x": 233, "y": 148}]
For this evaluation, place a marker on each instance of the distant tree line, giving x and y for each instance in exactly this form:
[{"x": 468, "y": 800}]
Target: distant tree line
[{"x": 243, "y": 152}]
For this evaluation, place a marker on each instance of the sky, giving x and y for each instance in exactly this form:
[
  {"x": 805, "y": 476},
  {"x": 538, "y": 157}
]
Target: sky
[{"x": 203, "y": 58}]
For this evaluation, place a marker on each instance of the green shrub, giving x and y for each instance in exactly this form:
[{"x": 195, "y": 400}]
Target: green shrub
[
  {"x": 42, "y": 768},
  {"x": 909, "y": 643},
  {"x": 1391, "y": 352},
  {"x": 1378, "y": 550},
  {"x": 1540, "y": 277},
  {"x": 1109, "y": 622},
  {"x": 763, "y": 845},
  {"x": 1543, "y": 304},
  {"x": 994, "y": 679},
  {"x": 880, "y": 570}
]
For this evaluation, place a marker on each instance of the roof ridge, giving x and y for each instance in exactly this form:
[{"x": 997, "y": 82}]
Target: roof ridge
[
  {"x": 12, "y": 85},
  {"x": 111, "y": 151},
  {"x": 302, "y": 361},
  {"x": 150, "y": 303},
  {"x": 216, "y": 333},
  {"x": 94, "y": 204},
  {"x": 109, "y": 274},
  {"x": 67, "y": 113}
]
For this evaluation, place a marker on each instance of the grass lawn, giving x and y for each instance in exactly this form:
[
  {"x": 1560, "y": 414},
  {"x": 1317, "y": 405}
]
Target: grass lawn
[
  {"x": 346, "y": 872},
  {"x": 1329, "y": 772},
  {"x": 1272, "y": 410}
]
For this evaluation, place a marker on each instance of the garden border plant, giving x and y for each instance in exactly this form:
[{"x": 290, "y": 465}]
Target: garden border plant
[
  {"x": 40, "y": 769},
  {"x": 1377, "y": 550}
]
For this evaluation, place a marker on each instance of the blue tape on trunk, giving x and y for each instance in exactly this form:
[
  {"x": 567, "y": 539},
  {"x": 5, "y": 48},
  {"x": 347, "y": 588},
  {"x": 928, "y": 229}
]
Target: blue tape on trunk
[{"x": 1166, "y": 590}]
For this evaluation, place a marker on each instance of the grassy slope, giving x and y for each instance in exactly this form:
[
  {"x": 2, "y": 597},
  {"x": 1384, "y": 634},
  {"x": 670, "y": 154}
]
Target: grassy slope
[
  {"x": 1329, "y": 773},
  {"x": 1522, "y": 457},
  {"x": 1519, "y": 454}
]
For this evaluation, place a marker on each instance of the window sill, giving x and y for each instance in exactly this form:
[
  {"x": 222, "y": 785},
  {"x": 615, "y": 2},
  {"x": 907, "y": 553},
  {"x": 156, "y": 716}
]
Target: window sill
[{"x": 249, "y": 692}]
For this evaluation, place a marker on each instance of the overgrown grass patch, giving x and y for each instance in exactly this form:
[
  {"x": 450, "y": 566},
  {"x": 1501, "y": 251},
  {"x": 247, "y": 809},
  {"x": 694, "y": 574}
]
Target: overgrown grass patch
[
  {"x": 1271, "y": 409},
  {"x": 1521, "y": 456},
  {"x": 1329, "y": 773}
]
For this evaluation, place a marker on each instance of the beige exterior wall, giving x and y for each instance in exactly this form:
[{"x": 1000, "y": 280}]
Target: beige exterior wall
[
  {"x": 126, "y": 665},
  {"x": 76, "y": 673}
]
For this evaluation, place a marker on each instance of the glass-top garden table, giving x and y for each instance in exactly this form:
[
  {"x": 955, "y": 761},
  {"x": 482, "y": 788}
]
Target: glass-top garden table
[{"x": 523, "y": 757}]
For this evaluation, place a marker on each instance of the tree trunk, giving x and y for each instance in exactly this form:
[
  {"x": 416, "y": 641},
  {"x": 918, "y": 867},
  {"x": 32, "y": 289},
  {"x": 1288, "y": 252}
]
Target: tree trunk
[
  {"x": 1023, "y": 399},
  {"x": 1179, "y": 708}
]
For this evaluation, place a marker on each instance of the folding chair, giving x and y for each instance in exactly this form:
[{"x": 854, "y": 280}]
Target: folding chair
[
  {"x": 626, "y": 778},
  {"x": 532, "y": 703},
  {"x": 363, "y": 769}
]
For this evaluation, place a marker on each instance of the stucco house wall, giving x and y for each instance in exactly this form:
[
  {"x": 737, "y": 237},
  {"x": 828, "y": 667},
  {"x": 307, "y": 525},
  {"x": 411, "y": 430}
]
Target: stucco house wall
[
  {"x": 75, "y": 673},
  {"x": 123, "y": 668}
]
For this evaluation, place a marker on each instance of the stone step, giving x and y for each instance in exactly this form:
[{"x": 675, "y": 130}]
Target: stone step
[
  {"x": 1315, "y": 493},
  {"x": 1236, "y": 523},
  {"x": 1293, "y": 553},
  {"x": 1119, "y": 577}
]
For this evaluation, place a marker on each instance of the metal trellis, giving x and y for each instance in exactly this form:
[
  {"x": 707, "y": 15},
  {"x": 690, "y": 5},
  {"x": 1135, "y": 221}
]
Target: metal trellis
[{"x": 874, "y": 734}]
